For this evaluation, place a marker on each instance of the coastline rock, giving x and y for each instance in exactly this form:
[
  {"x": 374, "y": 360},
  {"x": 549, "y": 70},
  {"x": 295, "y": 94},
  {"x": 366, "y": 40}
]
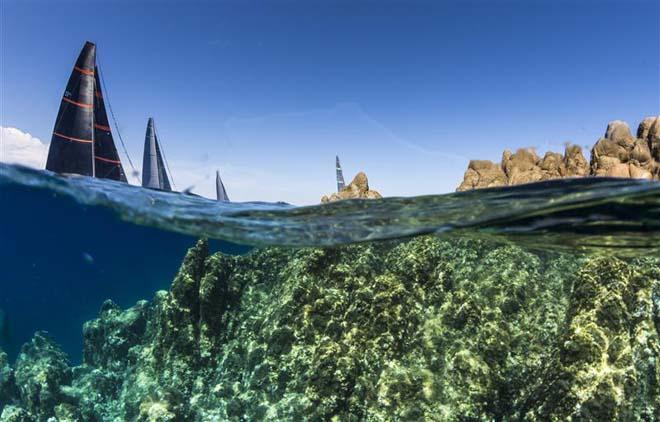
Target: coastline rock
[
  {"x": 483, "y": 173},
  {"x": 524, "y": 166},
  {"x": 575, "y": 163},
  {"x": 357, "y": 189},
  {"x": 406, "y": 330},
  {"x": 650, "y": 133},
  {"x": 617, "y": 154}
]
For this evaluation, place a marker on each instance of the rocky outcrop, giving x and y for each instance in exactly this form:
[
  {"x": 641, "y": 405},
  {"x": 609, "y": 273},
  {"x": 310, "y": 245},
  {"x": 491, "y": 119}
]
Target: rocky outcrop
[
  {"x": 617, "y": 154},
  {"x": 524, "y": 166},
  {"x": 425, "y": 329},
  {"x": 357, "y": 189},
  {"x": 483, "y": 174}
]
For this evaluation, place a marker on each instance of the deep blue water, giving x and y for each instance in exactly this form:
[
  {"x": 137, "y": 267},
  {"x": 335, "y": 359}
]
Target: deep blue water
[
  {"x": 69, "y": 243},
  {"x": 61, "y": 260}
]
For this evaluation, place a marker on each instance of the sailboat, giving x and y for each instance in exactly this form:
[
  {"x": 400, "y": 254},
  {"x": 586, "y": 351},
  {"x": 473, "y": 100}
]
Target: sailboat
[
  {"x": 154, "y": 174},
  {"x": 82, "y": 141},
  {"x": 221, "y": 192},
  {"x": 340, "y": 175}
]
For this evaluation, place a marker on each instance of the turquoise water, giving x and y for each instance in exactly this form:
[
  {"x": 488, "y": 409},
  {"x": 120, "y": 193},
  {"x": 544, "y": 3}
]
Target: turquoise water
[{"x": 69, "y": 243}]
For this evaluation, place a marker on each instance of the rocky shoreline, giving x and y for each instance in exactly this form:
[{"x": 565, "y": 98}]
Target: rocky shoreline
[
  {"x": 425, "y": 329},
  {"x": 617, "y": 154}
]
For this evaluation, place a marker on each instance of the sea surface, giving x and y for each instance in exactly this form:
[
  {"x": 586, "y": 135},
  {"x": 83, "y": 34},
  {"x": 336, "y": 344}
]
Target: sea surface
[{"x": 67, "y": 243}]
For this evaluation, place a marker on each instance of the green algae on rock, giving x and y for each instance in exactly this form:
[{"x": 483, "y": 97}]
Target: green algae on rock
[{"x": 425, "y": 329}]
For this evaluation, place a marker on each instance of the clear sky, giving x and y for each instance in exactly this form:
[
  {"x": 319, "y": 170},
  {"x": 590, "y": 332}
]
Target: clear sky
[{"x": 269, "y": 92}]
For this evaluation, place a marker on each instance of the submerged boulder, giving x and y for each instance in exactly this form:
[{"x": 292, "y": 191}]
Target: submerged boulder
[
  {"x": 357, "y": 189},
  {"x": 39, "y": 375}
]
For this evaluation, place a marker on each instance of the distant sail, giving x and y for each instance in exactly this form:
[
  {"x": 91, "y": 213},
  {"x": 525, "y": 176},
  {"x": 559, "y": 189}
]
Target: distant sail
[
  {"x": 153, "y": 167},
  {"x": 221, "y": 193},
  {"x": 107, "y": 162},
  {"x": 340, "y": 175},
  {"x": 72, "y": 144}
]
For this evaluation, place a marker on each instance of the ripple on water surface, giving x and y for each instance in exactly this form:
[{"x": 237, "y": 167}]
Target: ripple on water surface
[{"x": 574, "y": 214}]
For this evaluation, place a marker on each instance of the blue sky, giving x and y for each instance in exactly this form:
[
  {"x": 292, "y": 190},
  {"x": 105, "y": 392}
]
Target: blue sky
[{"x": 270, "y": 91}]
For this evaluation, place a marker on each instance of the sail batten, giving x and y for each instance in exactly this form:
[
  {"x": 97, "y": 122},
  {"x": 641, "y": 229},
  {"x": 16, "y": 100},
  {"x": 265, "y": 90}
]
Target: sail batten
[
  {"x": 154, "y": 174},
  {"x": 221, "y": 192},
  {"x": 72, "y": 144}
]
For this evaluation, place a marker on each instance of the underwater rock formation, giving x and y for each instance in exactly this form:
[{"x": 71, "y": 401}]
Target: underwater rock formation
[
  {"x": 357, "y": 189},
  {"x": 425, "y": 329},
  {"x": 7, "y": 384},
  {"x": 617, "y": 154}
]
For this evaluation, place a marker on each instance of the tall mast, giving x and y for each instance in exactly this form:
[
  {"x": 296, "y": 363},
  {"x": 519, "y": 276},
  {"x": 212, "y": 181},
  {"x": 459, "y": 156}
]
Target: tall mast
[
  {"x": 340, "y": 175},
  {"x": 72, "y": 144},
  {"x": 106, "y": 159},
  {"x": 221, "y": 192},
  {"x": 153, "y": 167}
]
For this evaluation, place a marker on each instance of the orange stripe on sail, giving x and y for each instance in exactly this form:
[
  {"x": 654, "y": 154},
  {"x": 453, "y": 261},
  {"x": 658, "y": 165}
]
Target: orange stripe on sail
[
  {"x": 85, "y": 141},
  {"x": 107, "y": 160},
  {"x": 106, "y": 128},
  {"x": 83, "y": 105},
  {"x": 84, "y": 71}
]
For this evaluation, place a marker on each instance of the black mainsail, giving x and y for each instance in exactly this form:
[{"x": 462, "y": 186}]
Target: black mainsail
[
  {"x": 82, "y": 140},
  {"x": 72, "y": 144},
  {"x": 221, "y": 192},
  {"x": 153, "y": 167},
  {"x": 340, "y": 175},
  {"x": 107, "y": 164}
]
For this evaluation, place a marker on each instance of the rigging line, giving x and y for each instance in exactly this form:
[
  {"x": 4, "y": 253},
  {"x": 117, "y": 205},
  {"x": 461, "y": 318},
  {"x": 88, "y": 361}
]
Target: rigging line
[
  {"x": 167, "y": 165},
  {"x": 106, "y": 98}
]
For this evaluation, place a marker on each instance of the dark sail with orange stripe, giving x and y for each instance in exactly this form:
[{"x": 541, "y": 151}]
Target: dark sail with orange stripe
[
  {"x": 72, "y": 145},
  {"x": 106, "y": 159},
  {"x": 153, "y": 166}
]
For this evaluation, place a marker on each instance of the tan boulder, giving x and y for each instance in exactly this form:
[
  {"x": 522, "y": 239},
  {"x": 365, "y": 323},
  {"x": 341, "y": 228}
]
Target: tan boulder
[
  {"x": 645, "y": 127},
  {"x": 552, "y": 165},
  {"x": 609, "y": 148},
  {"x": 482, "y": 174},
  {"x": 618, "y": 170},
  {"x": 640, "y": 155},
  {"x": 654, "y": 139},
  {"x": 639, "y": 173},
  {"x": 606, "y": 154},
  {"x": 574, "y": 162},
  {"x": 619, "y": 132},
  {"x": 357, "y": 189},
  {"x": 522, "y": 167}
]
